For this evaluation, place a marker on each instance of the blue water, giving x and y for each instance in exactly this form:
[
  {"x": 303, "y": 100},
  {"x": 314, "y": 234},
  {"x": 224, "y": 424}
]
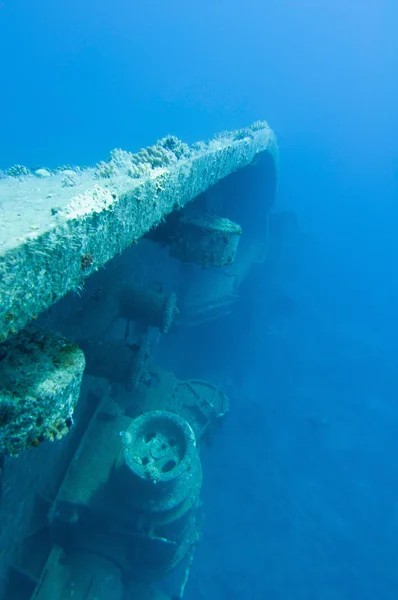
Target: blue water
[{"x": 301, "y": 485}]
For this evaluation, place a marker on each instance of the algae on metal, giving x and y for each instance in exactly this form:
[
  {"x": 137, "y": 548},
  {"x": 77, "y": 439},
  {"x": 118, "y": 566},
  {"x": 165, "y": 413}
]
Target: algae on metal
[
  {"x": 40, "y": 378},
  {"x": 57, "y": 230}
]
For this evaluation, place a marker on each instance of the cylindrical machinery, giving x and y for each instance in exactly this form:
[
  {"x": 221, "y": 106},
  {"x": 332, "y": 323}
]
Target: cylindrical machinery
[
  {"x": 119, "y": 363},
  {"x": 148, "y": 308},
  {"x": 206, "y": 239},
  {"x": 159, "y": 474}
]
